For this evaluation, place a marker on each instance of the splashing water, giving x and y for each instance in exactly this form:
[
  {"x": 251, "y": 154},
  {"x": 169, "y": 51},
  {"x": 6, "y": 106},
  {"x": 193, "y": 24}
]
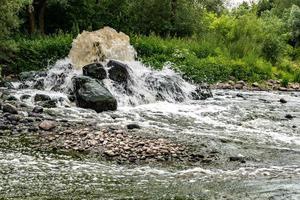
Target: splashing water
[{"x": 99, "y": 45}]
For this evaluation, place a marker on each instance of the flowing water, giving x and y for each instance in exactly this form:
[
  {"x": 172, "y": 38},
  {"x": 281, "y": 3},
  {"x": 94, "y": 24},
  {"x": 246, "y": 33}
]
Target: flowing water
[
  {"x": 248, "y": 125},
  {"x": 252, "y": 126}
]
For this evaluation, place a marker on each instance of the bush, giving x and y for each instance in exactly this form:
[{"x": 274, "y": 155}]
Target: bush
[{"x": 39, "y": 52}]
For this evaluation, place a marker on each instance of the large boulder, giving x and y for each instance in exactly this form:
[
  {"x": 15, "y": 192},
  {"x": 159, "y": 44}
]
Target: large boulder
[
  {"x": 91, "y": 93},
  {"x": 118, "y": 72},
  {"x": 95, "y": 70}
]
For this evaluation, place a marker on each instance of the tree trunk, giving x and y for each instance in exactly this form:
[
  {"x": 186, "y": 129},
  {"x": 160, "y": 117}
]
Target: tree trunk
[
  {"x": 42, "y": 9},
  {"x": 31, "y": 19},
  {"x": 173, "y": 11}
]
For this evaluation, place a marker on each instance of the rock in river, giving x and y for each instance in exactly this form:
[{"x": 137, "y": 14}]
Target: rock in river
[
  {"x": 95, "y": 70},
  {"x": 90, "y": 93},
  {"x": 9, "y": 109},
  {"x": 118, "y": 72}
]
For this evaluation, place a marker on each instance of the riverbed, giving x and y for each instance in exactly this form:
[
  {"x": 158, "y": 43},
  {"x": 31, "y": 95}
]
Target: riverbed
[{"x": 252, "y": 127}]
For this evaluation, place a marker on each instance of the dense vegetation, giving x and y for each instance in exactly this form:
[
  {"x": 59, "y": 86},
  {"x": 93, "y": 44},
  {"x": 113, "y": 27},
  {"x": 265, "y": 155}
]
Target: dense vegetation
[{"x": 202, "y": 39}]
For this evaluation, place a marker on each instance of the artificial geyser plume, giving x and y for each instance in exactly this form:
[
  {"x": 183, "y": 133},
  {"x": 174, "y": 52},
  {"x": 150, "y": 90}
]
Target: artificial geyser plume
[{"x": 97, "y": 46}]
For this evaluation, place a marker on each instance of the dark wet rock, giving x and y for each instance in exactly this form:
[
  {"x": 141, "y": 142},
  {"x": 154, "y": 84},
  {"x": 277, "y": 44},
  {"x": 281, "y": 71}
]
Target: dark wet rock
[
  {"x": 202, "y": 93},
  {"x": 39, "y": 84},
  {"x": 23, "y": 86},
  {"x": 118, "y": 72},
  {"x": 47, "y": 125},
  {"x": 95, "y": 70},
  {"x": 12, "y": 98},
  {"x": 31, "y": 75},
  {"x": 289, "y": 116},
  {"x": 92, "y": 94},
  {"x": 41, "y": 97},
  {"x": 25, "y": 96},
  {"x": 133, "y": 126},
  {"x": 6, "y": 84},
  {"x": 48, "y": 104},
  {"x": 9, "y": 108},
  {"x": 38, "y": 109},
  {"x": 282, "y": 100},
  {"x": 23, "y": 105},
  {"x": 240, "y": 159},
  {"x": 240, "y": 95},
  {"x": 71, "y": 98}
]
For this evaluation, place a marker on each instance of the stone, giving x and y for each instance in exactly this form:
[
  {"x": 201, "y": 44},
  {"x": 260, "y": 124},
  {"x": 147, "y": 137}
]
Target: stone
[
  {"x": 41, "y": 97},
  {"x": 39, "y": 84},
  {"x": 289, "y": 116},
  {"x": 201, "y": 93},
  {"x": 133, "y": 126},
  {"x": 31, "y": 75},
  {"x": 95, "y": 70},
  {"x": 25, "y": 96},
  {"x": 23, "y": 86},
  {"x": 38, "y": 109},
  {"x": 9, "y": 108},
  {"x": 240, "y": 159},
  {"x": 11, "y": 98},
  {"x": 6, "y": 84},
  {"x": 255, "y": 84},
  {"x": 118, "y": 72},
  {"x": 47, "y": 125},
  {"x": 282, "y": 100},
  {"x": 48, "y": 104},
  {"x": 92, "y": 94}
]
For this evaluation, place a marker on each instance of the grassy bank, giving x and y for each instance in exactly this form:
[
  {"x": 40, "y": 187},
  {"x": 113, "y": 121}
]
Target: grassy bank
[{"x": 201, "y": 60}]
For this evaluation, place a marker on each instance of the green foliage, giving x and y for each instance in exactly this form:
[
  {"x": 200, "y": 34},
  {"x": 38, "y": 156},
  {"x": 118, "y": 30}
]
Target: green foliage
[{"x": 38, "y": 53}]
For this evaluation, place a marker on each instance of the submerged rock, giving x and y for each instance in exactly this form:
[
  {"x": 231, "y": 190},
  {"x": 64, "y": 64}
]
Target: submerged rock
[
  {"x": 95, "y": 70},
  {"x": 90, "y": 93},
  {"x": 41, "y": 97}
]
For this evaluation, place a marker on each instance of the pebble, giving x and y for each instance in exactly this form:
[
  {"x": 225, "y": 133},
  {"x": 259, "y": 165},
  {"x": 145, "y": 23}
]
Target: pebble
[
  {"x": 133, "y": 126},
  {"x": 47, "y": 125},
  {"x": 283, "y": 101}
]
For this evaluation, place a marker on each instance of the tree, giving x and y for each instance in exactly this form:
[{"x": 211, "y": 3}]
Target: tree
[
  {"x": 294, "y": 22},
  {"x": 8, "y": 18}
]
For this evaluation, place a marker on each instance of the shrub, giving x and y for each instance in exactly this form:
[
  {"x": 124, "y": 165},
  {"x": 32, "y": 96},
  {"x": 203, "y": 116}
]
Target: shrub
[{"x": 39, "y": 52}]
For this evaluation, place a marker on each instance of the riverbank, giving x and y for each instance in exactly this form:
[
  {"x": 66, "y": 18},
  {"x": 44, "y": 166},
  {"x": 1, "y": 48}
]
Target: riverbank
[{"x": 270, "y": 85}]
